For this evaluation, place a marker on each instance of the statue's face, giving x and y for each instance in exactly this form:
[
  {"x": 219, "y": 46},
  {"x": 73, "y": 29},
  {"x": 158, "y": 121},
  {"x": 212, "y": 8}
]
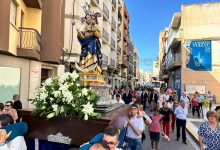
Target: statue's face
[
  {"x": 88, "y": 19},
  {"x": 93, "y": 20}
]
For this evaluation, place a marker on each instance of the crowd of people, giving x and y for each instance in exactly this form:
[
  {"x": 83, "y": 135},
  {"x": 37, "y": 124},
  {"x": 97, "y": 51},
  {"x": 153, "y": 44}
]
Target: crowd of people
[
  {"x": 11, "y": 127},
  {"x": 160, "y": 121},
  {"x": 173, "y": 113}
]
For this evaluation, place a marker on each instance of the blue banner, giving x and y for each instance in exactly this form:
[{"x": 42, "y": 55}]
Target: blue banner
[{"x": 199, "y": 55}]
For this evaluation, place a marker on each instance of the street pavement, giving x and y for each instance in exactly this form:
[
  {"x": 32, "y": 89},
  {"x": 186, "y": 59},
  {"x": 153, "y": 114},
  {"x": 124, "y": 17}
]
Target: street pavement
[{"x": 173, "y": 144}]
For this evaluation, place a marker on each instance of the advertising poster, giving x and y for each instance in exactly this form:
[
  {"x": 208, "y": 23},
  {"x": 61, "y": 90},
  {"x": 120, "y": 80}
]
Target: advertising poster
[{"x": 199, "y": 56}]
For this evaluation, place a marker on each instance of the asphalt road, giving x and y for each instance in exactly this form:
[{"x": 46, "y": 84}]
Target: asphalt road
[{"x": 173, "y": 144}]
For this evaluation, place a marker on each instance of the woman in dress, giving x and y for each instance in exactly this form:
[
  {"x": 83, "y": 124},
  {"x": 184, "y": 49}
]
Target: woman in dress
[{"x": 209, "y": 133}]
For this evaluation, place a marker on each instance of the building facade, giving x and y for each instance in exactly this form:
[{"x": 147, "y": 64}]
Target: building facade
[
  {"x": 136, "y": 67},
  {"x": 191, "y": 49},
  {"x": 31, "y": 42},
  {"x": 144, "y": 78}
]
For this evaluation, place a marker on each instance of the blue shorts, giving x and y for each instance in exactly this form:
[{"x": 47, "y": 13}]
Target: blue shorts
[{"x": 155, "y": 136}]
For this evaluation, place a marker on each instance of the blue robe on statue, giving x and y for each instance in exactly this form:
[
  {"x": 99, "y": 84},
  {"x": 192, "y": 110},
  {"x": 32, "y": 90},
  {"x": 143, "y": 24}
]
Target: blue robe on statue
[{"x": 91, "y": 49}]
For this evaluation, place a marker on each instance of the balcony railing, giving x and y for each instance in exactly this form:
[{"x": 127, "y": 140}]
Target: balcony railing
[
  {"x": 105, "y": 59},
  {"x": 124, "y": 61},
  {"x": 125, "y": 49},
  {"x": 105, "y": 10},
  {"x": 125, "y": 22},
  {"x": 114, "y": 4},
  {"x": 119, "y": 49},
  {"x": 105, "y": 35},
  {"x": 113, "y": 23},
  {"x": 124, "y": 74},
  {"x": 175, "y": 62},
  {"x": 113, "y": 43},
  {"x": 174, "y": 35},
  {"x": 113, "y": 63},
  {"x": 29, "y": 39}
]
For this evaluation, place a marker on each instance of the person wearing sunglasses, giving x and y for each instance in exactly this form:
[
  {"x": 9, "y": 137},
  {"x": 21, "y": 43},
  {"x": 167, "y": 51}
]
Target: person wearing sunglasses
[
  {"x": 10, "y": 110},
  {"x": 109, "y": 137}
]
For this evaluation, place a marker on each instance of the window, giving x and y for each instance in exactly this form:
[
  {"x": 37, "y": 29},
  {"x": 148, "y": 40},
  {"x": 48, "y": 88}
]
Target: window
[
  {"x": 9, "y": 82},
  {"x": 13, "y": 12}
]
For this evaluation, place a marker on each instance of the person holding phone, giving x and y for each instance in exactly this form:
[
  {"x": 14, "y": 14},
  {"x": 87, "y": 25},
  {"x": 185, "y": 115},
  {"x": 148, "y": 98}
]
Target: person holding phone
[{"x": 135, "y": 127}]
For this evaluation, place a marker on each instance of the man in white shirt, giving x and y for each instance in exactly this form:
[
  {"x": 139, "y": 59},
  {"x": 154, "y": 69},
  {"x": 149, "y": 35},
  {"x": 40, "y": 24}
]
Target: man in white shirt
[
  {"x": 135, "y": 128},
  {"x": 186, "y": 100},
  {"x": 181, "y": 112}
]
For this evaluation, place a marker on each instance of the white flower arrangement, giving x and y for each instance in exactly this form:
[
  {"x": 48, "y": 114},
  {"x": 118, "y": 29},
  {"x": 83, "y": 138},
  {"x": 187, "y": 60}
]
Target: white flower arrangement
[{"x": 65, "y": 96}]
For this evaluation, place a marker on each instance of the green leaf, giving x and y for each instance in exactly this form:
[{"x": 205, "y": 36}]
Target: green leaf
[
  {"x": 58, "y": 110},
  {"x": 51, "y": 115}
]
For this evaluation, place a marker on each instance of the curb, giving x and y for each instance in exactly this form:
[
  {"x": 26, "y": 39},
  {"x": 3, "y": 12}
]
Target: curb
[{"x": 192, "y": 132}]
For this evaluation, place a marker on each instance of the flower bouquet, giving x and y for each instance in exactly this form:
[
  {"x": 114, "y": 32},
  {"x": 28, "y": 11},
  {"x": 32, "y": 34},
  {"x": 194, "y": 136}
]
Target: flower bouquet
[{"x": 65, "y": 96}]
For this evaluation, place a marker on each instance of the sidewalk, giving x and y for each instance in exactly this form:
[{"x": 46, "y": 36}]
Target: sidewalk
[{"x": 193, "y": 124}]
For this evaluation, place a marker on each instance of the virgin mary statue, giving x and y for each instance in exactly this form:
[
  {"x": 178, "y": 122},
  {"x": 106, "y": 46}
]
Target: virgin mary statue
[{"x": 91, "y": 56}]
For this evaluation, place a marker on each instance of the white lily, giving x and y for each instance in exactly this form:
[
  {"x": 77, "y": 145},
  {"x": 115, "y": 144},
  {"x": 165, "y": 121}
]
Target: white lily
[
  {"x": 47, "y": 82},
  {"x": 56, "y": 94},
  {"x": 87, "y": 110},
  {"x": 74, "y": 75},
  {"x": 85, "y": 91},
  {"x": 55, "y": 107},
  {"x": 43, "y": 96}
]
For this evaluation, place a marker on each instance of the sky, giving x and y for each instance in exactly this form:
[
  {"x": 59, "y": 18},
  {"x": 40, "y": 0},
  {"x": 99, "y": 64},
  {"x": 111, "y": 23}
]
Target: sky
[{"x": 147, "y": 19}]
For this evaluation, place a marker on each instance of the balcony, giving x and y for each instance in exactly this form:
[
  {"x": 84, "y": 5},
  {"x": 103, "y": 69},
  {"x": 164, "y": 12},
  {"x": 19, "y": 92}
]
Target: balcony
[
  {"x": 112, "y": 44},
  {"x": 106, "y": 11},
  {"x": 33, "y": 3},
  {"x": 174, "y": 39},
  {"x": 113, "y": 4},
  {"x": 119, "y": 18},
  {"x": 113, "y": 63},
  {"x": 175, "y": 62},
  {"x": 113, "y": 24},
  {"x": 125, "y": 34},
  {"x": 29, "y": 44},
  {"x": 105, "y": 59},
  {"x": 124, "y": 74},
  {"x": 125, "y": 23},
  {"x": 105, "y": 35},
  {"x": 124, "y": 62},
  {"x": 176, "y": 20},
  {"x": 125, "y": 49},
  {"x": 119, "y": 35},
  {"x": 119, "y": 49}
]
